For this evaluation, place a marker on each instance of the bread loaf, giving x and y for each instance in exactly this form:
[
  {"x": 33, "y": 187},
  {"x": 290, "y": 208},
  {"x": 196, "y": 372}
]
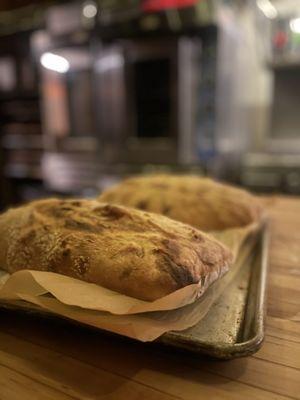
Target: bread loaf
[
  {"x": 200, "y": 202},
  {"x": 137, "y": 253}
]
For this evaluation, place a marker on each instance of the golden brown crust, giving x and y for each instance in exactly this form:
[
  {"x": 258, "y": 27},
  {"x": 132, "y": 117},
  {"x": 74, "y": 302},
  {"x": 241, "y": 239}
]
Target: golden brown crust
[
  {"x": 200, "y": 202},
  {"x": 130, "y": 251}
]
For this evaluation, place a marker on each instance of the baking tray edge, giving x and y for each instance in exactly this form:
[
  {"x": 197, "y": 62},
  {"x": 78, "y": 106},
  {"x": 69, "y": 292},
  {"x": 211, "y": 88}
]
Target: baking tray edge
[{"x": 245, "y": 347}]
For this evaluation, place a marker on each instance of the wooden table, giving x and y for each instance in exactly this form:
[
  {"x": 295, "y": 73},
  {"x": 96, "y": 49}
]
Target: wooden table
[{"x": 42, "y": 359}]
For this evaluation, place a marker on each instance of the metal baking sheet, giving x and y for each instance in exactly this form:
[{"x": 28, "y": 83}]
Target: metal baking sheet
[{"x": 233, "y": 327}]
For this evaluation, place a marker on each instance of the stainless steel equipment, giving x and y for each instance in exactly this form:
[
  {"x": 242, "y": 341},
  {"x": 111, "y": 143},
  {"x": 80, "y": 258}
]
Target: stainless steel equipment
[
  {"x": 284, "y": 64},
  {"x": 273, "y": 162},
  {"x": 63, "y": 52},
  {"x": 126, "y": 84},
  {"x": 113, "y": 95},
  {"x": 146, "y": 93}
]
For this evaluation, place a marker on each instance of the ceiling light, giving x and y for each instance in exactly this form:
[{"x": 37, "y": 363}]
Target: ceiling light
[
  {"x": 267, "y": 8},
  {"x": 54, "y": 62},
  {"x": 295, "y": 25},
  {"x": 89, "y": 9}
]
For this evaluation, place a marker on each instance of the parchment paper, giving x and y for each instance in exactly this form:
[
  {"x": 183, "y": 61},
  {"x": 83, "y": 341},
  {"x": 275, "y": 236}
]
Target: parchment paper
[{"x": 105, "y": 309}]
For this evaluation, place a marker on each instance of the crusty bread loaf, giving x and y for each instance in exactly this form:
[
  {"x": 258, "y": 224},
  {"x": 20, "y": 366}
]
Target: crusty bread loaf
[
  {"x": 200, "y": 202},
  {"x": 136, "y": 253}
]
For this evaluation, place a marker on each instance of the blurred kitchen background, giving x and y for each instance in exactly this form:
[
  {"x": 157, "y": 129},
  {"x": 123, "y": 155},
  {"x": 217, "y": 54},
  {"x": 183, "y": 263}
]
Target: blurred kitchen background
[{"x": 93, "y": 91}]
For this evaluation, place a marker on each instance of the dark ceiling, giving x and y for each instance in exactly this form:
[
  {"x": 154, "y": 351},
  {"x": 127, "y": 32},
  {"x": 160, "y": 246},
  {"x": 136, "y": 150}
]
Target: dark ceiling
[{"x": 13, "y": 4}]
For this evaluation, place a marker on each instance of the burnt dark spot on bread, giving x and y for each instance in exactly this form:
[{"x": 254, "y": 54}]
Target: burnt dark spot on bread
[
  {"x": 67, "y": 208},
  {"x": 181, "y": 274},
  {"x": 168, "y": 260},
  {"x": 64, "y": 243},
  {"x": 46, "y": 227},
  {"x": 61, "y": 209},
  {"x": 52, "y": 265},
  {"x": 76, "y": 203},
  {"x": 166, "y": 209},
  {"x": 27, "y": 238},
  {"x": 142, "y": 205},
  {"x": 202, "y": 280},
  {"x": 126, "y": 273},
  {"x": 82, "y": 226},
  {"x": 58, "y": 212},
  {"x": 66, "y": 252},
  {"x": 171, "y": 247},
  {"x": 111, "y": 212},
  {"x": 197, "y": 236}
]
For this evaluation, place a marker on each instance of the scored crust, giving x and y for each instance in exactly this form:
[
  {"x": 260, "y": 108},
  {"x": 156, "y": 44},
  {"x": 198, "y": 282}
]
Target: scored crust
[
  {"x": 201, "y": 202},
  {"x": 137, "y": 253}
]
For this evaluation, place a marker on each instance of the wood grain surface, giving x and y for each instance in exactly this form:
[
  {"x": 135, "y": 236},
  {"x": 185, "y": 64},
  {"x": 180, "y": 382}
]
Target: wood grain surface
[{"x": 45, "y": 359}]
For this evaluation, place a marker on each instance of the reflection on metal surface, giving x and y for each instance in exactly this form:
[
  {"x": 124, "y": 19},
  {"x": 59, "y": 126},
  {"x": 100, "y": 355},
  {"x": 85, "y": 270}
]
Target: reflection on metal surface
[{"x": 111, "y": 61}]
